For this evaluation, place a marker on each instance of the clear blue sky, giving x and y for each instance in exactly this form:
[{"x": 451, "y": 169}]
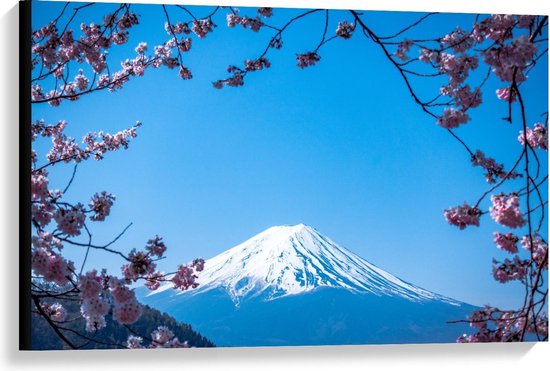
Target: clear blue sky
[{"x": 340, "y": 146}]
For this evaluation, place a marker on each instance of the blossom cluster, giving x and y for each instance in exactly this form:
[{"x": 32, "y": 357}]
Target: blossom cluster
[
  {"x": 66, "y": 149},
  {"x": 55, "y": 51},
  {"x": 492, "y": 169},
  {"x": 506, "y": 94},
  {"x": 509, "y": 61},
  {"x": 94, "y": 306},
  {"x": 256, "y": 65},
  {"x": 509, "y": 270},
  {"x": 126, "y": 309},
  {"x": 155, "y": 246},
  {"x": 508, "y": 58},
  {"x": 202, "y": 27},
  {"x": 538, "y": 249},
  {"x": 462, "y": 216},
  {"x": 238, "y": 73},
  {"x": 402, "y": 49},
  {"x": 46, "y": 240},
  {"x": 237, "y": 79},
  {"x": 162, "y": 337},
  {"x": 185, "y": 277},
  {"x": 494, "y": 325},
  {"x": 506, "y": 241},
  {"x": 265, "y": 12},
  {"x": 536, "y": 137},
  {"x": 505, "y": 210},
  {"x": 463, "y": 96},
  {"x": 458, "y": 40},
  {"x": 307, "y": 59},
  {"x": 452, "y": 118},
  {"x": 345, "y": 29},
  {"x": 140, "y": 264},
  {"x": 55, "y": 311},
  {"x": 51, "y": 266},
  {"x": 70, "y": 220},
  {"x": 100, "y": 205},
  {"x": 254, "y": 24}
]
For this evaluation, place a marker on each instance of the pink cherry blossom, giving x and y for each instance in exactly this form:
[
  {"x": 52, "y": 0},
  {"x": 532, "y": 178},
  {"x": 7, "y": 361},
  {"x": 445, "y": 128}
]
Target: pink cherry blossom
[
  {"x": 256, "y": 65},
  {"x": 185, "y": 73},
  {"x": 55, "y": 311},
  {"x": 402, "y": 49},
  {"x": 509, "y": 270},
  {"x": 307, "y": 59},
  {"x": 90, "y": 285},
  {"x": 506, "y": 94},
  {"x": 463, "y": 216},
  {"x": 156, "y": 246},
  {"x": 164, "y": 338},
  {"x": 184, "y": 278},
  {"x": 506, "y": 241},
  {"x": 458, "y": 40},
  {"x": 71, "y": 220},
  {"x": 536, "y": 137},
  {"x": 141, "y": 48},
  {"x": 37, "y": 93},
  {"x": 134, "y": 342},
  {"x": 255, "y": 24},
  {"x": 94, "y": 307},
  {"x": 42, "y": 213},
  {"x": 127, "y": 312},
  {"x": 426, "y": 55},
  {"x": 456, "y": 67},
  {"x": 463, "y": 96},
  {"x": 493, "y": 170},
  {"x": 539, "y": 251},
  {"x": 140, "y": 265},
  {"x": 46, "y": 240},
  {"x": 54, "y": 97},
  {"x": 505, "y": 210},
  {"x": 202, "y": 27},
  {"x": 162, "y": 334},
  {"x": 345, "y": 29},
  {"x": 497, "y": 28},
  {"x": 51, "y": 266},
  {"x": 452, "y": 118},
  {"x": 233, "y": 19},
  {"x": 39, "y": 185},
  {"x": 153, "y": 280},
  {"x": 101, "y": 204},
  {"x": 184, "y": 45},
  {"x": 509, "y": 61},
  {"x": 265, "y": 12},
  {"x": 81, "y": 81},
  {"x": 198, "y": 264}
]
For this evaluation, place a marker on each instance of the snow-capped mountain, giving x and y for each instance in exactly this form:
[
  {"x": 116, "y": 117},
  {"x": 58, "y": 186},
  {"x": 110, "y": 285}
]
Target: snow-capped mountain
[
  {"x": 293, "y": 259},
  {"x": 290, "y": 285}
]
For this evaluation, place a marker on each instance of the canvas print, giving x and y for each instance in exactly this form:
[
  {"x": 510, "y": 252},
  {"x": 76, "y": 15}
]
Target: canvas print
[{"x": 226, "y": 176}]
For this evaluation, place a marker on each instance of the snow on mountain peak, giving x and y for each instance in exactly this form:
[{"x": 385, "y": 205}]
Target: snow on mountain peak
[{"x": 293, "y": 259}]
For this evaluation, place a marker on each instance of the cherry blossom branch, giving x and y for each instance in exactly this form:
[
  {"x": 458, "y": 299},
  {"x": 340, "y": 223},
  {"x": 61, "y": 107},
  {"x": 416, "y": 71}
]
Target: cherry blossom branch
[{"x": 38, "y": 307}]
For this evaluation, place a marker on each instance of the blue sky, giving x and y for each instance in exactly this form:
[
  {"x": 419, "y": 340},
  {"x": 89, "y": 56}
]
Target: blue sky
[{"x": 340, "y": 146}]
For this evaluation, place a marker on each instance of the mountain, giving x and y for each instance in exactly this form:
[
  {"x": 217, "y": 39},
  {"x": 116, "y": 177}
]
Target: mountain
[{"x": 290, "y": 285}]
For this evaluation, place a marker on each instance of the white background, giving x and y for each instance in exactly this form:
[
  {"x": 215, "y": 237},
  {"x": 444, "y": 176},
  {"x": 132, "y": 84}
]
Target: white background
[{"x": 413, "y": 357}]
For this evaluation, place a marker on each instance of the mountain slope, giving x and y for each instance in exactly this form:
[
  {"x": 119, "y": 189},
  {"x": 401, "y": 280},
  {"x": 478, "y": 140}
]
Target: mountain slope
[
  {"x": 290, "y": 285},
  {"x": 288, "y": 260},
  {"x": 113, "y": 335}
]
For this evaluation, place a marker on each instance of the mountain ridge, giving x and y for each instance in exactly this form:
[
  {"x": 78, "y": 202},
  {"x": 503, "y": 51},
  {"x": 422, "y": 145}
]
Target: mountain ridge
[
  {"x": 293, "y": 259},
  {"x": 290, "y": 285}
]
